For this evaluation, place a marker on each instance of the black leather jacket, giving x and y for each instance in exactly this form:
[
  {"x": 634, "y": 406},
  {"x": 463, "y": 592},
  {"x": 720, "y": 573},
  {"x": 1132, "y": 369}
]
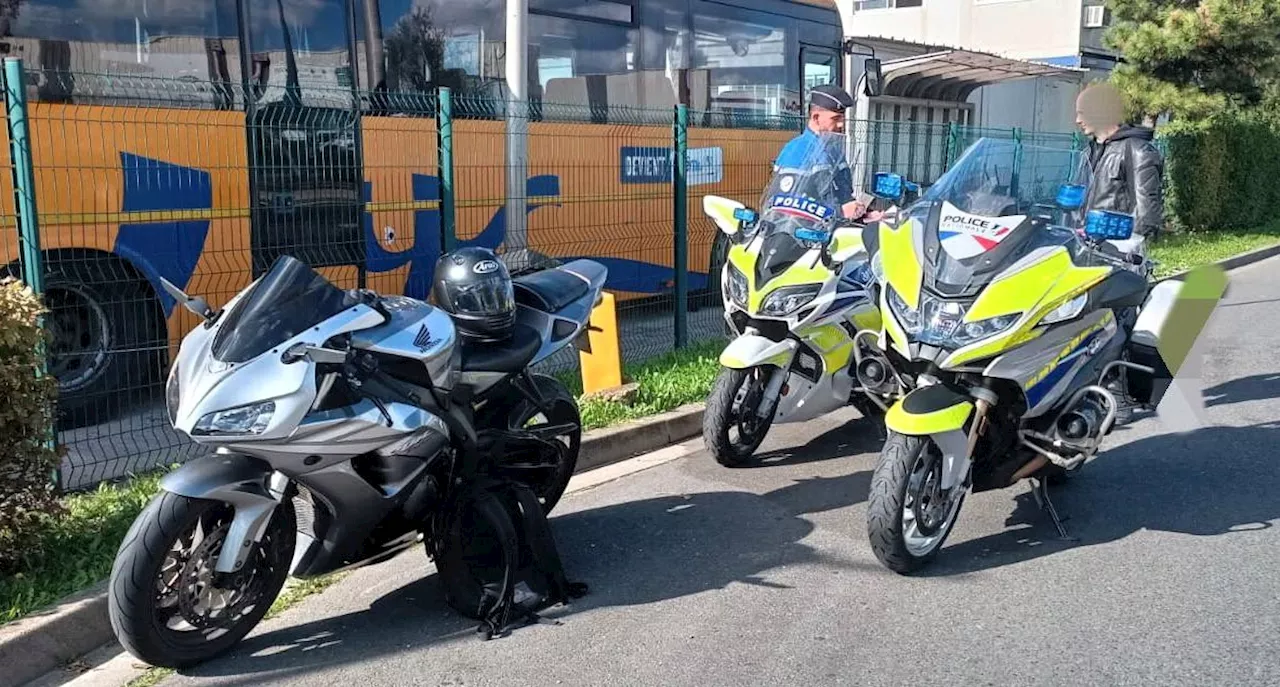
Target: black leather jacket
[{"x": 1128, "y": 176}]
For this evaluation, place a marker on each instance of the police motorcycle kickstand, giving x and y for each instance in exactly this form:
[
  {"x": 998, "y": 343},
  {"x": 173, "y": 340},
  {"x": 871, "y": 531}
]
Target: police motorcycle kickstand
[{"x": 1040, "y": 490}]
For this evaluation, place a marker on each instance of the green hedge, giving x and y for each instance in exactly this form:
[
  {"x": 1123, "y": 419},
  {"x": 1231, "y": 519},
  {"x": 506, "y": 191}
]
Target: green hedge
[
  {"x": 27, "y": 456},
  {"x": 1222, "y": 173}
]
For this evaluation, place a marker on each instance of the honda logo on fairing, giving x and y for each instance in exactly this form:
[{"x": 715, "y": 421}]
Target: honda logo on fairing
[{"x": 423, "y": 340}]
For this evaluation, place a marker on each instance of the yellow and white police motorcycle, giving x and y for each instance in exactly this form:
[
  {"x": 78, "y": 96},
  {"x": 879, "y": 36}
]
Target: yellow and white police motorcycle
[
  {"x": 797, "y": 290},
  {"x": 1020, "y": 329}
]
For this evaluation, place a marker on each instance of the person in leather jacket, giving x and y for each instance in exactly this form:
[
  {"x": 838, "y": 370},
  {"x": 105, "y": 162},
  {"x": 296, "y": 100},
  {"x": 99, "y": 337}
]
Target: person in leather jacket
[{"x": 1128, "y": 170}]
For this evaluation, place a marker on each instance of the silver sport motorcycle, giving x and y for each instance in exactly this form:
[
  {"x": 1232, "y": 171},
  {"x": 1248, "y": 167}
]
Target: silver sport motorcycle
[{"x": 342, "y": 423}]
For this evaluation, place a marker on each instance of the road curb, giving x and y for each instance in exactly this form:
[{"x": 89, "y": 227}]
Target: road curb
[{"x": 35, "y": 645}]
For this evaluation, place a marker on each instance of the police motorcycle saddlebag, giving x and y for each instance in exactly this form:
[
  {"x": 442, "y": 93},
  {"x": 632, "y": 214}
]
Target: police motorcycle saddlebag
[
  {"x": 1149, "y": 389},
  {"x": 498, "y": 561}
]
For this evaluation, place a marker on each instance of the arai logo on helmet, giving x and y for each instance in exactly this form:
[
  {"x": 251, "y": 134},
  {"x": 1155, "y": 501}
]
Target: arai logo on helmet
[{"x": 485, "y": 267}]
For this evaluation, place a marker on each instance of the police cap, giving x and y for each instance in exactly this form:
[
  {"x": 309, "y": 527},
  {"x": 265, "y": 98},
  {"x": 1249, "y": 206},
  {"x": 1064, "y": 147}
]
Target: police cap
[{"x": 830, "y": 97}]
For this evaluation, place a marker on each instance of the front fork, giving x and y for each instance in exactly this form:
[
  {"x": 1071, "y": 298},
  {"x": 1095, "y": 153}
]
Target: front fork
[{"x": 772, "y": 391}]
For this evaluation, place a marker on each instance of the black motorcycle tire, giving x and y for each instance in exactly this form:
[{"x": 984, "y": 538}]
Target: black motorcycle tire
[
  {"x": 132, "y": 597},
  {"x": 718, "y": 420},
  {"x": 889, "y": 484},
  {"x": 519, "y": 411}
]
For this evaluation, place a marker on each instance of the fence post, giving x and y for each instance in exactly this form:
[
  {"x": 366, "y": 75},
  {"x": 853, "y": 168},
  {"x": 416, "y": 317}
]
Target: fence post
[
  {"x": 680, "y": 205},
  {"x": 24, "y": 178},
  {"x": 1017, "y": 160},
  {"x": 953, "y": 140},
  {"x": 24, "y": 185},
  {"x": 444, "y": 130}
]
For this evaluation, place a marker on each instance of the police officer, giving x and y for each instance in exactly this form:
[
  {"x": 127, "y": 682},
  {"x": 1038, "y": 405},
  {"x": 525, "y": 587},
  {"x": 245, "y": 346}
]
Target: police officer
[{"x": 827, "y": 106}]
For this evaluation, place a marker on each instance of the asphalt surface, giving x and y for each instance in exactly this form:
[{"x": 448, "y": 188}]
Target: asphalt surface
[{"x": 702, "y": 575}]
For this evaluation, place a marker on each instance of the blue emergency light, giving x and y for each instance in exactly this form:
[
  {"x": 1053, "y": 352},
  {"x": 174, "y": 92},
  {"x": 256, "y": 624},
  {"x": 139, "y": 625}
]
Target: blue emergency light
[
  {"x": 746, "y": 215},
  {"x": 889, "y": 185},
  {"x": 1105, "y": 225},
  {"x": 1070, "y": 196},
  {"x": 813, "y": 235}
]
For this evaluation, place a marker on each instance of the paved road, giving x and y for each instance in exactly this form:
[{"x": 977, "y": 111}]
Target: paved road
[{"x": 708, "y": 576}]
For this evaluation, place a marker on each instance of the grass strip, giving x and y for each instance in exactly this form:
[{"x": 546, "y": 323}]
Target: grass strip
[{"x": 1178, "y": 252}]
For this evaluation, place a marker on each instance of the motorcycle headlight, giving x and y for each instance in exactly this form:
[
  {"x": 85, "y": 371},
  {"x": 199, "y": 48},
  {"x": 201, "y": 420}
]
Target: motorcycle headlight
[
  {"x": 242, "y": 421},
  {"x": 172, "y": 395},
  {"x": 737, "y": 286},
  {"x": 788, "y": 299},
  {"x": 981, "y": 329},
  {"x": 908, "y": 316},
  {"x": 939, "y": 322},
  {"x": 1066, "y": 311}
]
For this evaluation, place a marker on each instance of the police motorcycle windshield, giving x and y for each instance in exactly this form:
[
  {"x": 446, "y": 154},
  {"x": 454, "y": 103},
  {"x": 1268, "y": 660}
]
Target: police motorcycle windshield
[
  {"x": 800, "y": 206},
  {"x": 1000, "y": 202}
]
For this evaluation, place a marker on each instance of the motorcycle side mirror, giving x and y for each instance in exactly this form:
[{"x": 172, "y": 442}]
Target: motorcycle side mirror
[
  {"x": 316, "y": 354},
  {"x": 196, "y": 304}
]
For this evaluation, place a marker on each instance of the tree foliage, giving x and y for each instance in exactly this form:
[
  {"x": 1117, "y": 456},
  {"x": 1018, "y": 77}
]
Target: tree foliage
[{"x": 1191, "y": 59}]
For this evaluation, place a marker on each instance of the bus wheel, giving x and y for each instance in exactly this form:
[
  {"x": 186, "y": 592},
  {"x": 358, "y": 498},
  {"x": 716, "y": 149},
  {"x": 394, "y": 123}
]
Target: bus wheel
[{"x": 107, "y": 338}]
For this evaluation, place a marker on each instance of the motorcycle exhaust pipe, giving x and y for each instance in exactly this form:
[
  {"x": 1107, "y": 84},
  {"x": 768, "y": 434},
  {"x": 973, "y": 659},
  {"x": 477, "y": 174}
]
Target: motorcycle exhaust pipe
[{"x": 1081, "y": 424}]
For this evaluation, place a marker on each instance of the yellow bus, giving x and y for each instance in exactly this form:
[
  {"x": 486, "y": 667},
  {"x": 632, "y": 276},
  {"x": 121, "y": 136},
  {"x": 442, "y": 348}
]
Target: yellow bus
[{"x": 197, "y": 140}]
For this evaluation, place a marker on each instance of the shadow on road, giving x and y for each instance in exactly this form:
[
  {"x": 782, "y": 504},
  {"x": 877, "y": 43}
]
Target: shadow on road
[
  {"x": 859, "y": 435},
  {"x": 632, "y": 553},
  {"x": 1211, "y": 482},
  {"x": 1262, "y": 387}
]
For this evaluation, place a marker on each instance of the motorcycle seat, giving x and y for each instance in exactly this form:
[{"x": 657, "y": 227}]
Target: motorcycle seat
[
  {"x": 1123, "y": 289},
  {"x": 549, "y": 290},
  {"x": 508, "y": 357}
]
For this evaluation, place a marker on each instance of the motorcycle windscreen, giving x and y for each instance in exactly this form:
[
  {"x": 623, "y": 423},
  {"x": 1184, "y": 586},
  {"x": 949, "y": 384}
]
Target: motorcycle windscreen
[
  {"x": 802, "y": 202},
  {"x": 288, "y": 299},
  {"x": 980, "y": 212}
]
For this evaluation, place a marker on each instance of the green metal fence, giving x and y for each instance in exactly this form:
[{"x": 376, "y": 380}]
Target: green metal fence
[{"x": 124, "y": 181}]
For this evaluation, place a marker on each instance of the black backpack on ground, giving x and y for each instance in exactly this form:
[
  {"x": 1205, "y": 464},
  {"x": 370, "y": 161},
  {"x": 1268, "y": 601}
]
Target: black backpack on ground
[{"x": 498, "y": 560}]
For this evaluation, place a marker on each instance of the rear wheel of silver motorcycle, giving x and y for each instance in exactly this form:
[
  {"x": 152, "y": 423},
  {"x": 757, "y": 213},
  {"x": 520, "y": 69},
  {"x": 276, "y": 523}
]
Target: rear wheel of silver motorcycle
[
  {"x": 563, "y": 410},
  {"x": 167, "y": 605},
  {"x": 732, "y": 428},
  {"x": 908, "y": 514}
]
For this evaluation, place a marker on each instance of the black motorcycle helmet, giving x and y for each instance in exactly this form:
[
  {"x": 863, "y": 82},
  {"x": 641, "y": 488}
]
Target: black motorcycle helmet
[{"x": 474, "y": 286}]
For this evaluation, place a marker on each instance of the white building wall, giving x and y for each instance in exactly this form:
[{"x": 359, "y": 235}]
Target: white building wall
[{"x": 1023, "y": 29}]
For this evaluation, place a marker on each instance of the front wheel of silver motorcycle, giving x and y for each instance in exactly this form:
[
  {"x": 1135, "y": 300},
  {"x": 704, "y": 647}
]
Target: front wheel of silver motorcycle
[
  {"x": 909, "y": 514},
  {"x": 167, "y": 605},
  {"x": 732, "y": 427}
]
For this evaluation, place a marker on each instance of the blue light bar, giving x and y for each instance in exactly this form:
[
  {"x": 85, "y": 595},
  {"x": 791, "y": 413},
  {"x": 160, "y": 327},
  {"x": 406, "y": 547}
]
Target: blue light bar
[
  {"x": 889, "y": 185},
  {"x": 1070, "y": 196},
  {"x": 1105, "y": 225},
  {"x": 745, "y": 215},
  {"x": 813, "y": 235}
]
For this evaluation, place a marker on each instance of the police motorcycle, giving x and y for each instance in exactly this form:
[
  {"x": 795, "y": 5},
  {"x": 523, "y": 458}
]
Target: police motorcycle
[
  {"x": 1019, "y": 330},
  {"x": 797, "y": 290},
  {"x": 345, "y": 426}
]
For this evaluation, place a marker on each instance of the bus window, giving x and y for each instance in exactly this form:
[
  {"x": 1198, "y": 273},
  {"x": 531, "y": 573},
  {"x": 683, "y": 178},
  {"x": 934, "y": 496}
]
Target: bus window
[
  {"x": 746, "y": 55},
  {"x": 304, "y": 173},
  {"x": 161, "y": 52},
  {"x": 300, "y": 53},
  {"x": 819, "y": 66},
  {"x": 411, "y": 47}
]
